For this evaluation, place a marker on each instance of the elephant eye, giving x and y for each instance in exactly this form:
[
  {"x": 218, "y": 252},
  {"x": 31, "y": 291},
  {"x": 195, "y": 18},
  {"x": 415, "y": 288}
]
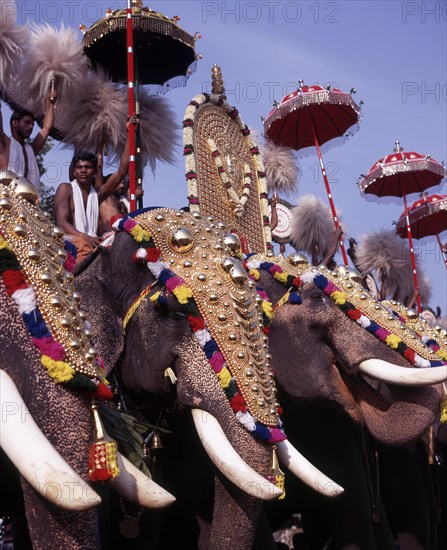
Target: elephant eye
[{"x": 318, "y": 296}]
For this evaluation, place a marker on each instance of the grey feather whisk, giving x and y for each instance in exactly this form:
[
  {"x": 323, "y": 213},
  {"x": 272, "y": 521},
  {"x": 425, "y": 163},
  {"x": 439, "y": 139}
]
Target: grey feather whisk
[
  {"x": 387, "y": 257},
  {"x": 281, "y": 169},
  {"x": 13, "y": 42},
  {"x": 54, "y": 55},
  {"x": 312, "y": 227}
]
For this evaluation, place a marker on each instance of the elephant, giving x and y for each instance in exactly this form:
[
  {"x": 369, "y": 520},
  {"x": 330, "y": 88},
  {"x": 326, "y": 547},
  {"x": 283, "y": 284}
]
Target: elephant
[
  {"x": 46, "y": 427},
  {"x": 142, "y": 320},
  {"x": 327, "y": 390}
]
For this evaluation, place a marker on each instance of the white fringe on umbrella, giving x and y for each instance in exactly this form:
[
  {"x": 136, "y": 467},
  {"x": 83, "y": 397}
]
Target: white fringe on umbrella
[
  {"x": 281, "y": 168},
  {"x": 312, "y": 226},
  {"x": 54, "y": 54},
  {"x": 158, "y": 130},
  {"x": 384, "y": 252},
  {"x": 13, "y": 41},
  {"x": 96, "y": 115}
]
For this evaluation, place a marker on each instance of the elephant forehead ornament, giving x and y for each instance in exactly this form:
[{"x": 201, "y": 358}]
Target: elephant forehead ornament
[
  {"x": 400, "y": 328},
  {"x": 204, "y": 258},
  {"x": 39, "y": 248}
]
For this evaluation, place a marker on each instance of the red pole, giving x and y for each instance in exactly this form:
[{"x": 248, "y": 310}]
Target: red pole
[
  {"x": 131, "y": 107},
  {"x": 329, "y": 194},
  {"x": 413, "y": 261}
]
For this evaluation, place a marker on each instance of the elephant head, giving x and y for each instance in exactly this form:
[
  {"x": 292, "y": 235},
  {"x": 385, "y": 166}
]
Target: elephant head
[
  {"x": 170, "y": 296},
  {"x": 343, "y": 339},
  {"x": 46, "y": 425}
]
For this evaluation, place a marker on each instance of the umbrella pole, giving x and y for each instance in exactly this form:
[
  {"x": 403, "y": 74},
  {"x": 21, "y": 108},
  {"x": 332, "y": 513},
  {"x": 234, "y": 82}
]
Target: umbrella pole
[
  {"x": 444, "y": 253},
  {"x": 413, "y": 261},
  {"x": 329, "y": 194},
  {"x": 131, "y": 106}
]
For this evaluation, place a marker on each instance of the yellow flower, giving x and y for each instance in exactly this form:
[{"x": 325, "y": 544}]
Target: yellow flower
[
  {"x": 224, "y": 377},
  {"x": 442, "y": 354},
  {"x": 182, "y": 293},
  {"x": 281, "y": 277},
  {"x": 255, "y": 273},
  {"x": 339, "y": 297},
  {"x": 267, "y": 308},
  {"x": 58, "y": 370},
  {"x": 393, "y": 341},
  {"x": 139, "y": 234},
  {"x": 4, "y": 244}
]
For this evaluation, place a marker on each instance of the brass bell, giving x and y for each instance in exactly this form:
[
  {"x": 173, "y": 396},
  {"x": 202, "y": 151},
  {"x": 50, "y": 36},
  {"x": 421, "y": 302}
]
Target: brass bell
[{"x": 156, "y": 442}]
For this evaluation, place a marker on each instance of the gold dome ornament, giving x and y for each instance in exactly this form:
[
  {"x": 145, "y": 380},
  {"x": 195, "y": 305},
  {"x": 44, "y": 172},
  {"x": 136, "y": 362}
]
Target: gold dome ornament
[
  {"x": 7, "y": 176},
  {"x": 25, "y": 189}
]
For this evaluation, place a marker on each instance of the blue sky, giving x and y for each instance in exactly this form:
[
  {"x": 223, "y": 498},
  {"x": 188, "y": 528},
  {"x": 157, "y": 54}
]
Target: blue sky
[{"x": 394, "y": 53}]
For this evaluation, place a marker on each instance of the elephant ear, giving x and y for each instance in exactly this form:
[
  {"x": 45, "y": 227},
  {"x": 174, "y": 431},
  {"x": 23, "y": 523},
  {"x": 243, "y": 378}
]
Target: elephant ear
[{"x": 107, "y": 327}]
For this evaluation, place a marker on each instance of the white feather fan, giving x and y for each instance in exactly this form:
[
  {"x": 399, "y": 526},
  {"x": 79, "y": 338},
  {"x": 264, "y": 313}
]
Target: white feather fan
[
  {"x": 13, "y": 40},
  {"x": 54, "y": 54},
  {"x": 281, "y": 169},
  {"x": 158, "y": 130},
  {"x": 384, "y": 253},
  {"x": 312, "y": 226},
  {"x": 96, "y": 114}
]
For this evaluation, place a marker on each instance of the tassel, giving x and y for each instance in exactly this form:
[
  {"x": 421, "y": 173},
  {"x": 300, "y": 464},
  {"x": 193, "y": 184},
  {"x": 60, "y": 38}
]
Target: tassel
[
  {"x": 102, "y": 460},
  {"x": 276, "y": 476},
  {"x": 443, "y": 406}
]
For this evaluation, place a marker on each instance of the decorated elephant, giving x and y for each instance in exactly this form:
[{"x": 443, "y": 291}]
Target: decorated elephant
[
  {"x": 335, "y": 331},
  {"x": 49, "y": 374}
]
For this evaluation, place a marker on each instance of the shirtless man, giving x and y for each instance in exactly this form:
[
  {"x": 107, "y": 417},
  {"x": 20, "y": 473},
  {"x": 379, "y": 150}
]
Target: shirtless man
[
  {"x": 77, "y": 204},
  {"x": 17, "y": 155}
]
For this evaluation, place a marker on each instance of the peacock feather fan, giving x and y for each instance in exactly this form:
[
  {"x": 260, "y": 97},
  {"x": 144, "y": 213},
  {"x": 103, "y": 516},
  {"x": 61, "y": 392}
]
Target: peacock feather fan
[
  {"x": 281, "y": 169},
  {"x": 312, "y": 226}
]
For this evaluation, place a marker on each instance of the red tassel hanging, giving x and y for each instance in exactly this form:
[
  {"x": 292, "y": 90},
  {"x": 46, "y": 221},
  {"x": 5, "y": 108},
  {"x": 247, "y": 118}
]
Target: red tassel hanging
[
  {"x": 103, "y": 454},
  {"x": 103, "y": 392}
]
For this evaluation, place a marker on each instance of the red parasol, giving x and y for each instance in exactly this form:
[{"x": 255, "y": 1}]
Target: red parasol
[
  {"x": 428, "y": 217},
  {"x": 313, "y": 116},
  {"x": 398, "y": 175}
]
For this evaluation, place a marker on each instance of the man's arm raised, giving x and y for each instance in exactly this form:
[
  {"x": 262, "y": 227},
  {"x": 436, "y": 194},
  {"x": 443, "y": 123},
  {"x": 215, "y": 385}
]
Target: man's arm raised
[
  {"x": 112, "y": 183},
  {"x": 48, "y": 121}
]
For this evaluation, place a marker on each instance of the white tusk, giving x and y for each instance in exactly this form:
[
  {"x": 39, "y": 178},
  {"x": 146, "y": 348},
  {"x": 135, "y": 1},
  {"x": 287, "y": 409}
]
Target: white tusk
[
  {"x": 227, "y": 460},
  {"x": 403, "y": 376},
  {"x": 36, "y": 458},
  {"x": 304, "y": 470},
  {"x": 135, "y": 486}
]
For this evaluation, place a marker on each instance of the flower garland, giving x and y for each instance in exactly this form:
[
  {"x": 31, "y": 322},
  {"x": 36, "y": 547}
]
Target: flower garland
[
  {"x": 384, "y": 335},
  {"x": 190, "y": 161},
  {"x": 292, "y": 283},
  {"x": 149, "y": 254},
  {"x": 52, "y": 352},
  {"x": 242, "y": 201}
]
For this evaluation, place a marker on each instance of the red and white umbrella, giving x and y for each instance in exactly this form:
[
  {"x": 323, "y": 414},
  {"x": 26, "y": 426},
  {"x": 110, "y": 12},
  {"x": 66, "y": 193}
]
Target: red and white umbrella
[
  {"x": 313, "y": 116},
  {"x": 428, "y": 218},
  {"x": 400, "y": 174}
]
